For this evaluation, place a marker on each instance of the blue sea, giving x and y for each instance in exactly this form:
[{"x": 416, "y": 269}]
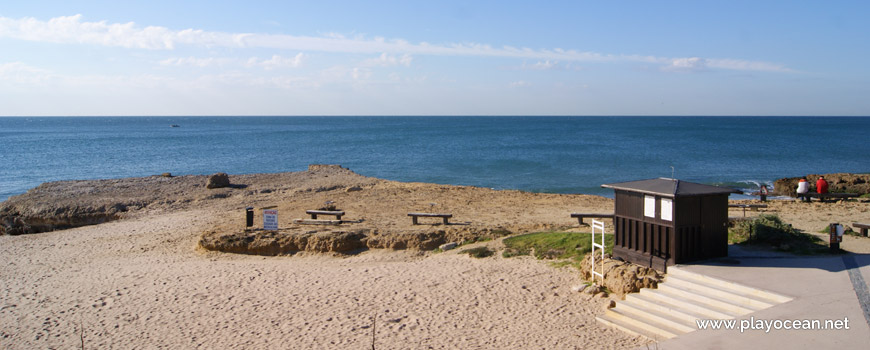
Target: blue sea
[{"x": 540, "y": 154}]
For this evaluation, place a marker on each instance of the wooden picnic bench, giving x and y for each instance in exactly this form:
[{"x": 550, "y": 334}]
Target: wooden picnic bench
[
  {"x": 863, "y": 227},
  {"x": 580, "y": 216},
  {"x": 315, "y": 213},
  {"x": 414, "y": 217},
  {"x": 823, "y": 196},
  {"x": 753, "y": 207}
]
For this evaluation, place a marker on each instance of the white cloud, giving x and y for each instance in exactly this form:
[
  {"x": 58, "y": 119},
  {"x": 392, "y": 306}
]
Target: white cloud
[
  {"x": 20, "y": 73},
  {"x": 545, "y": 65},
  {"x": 278, "y": 62},
  {"x": 689, "y": 64},
  {"x": 747, "y": 65},
  {"x": 385, "y": 60},
  {"x": 196, "y": 62},
  {"x": 359, "y": 73},
  {"x": 518, "y": 84},
  {"x": 72, "y": 30},
  {"x": 548, "y": 65}
]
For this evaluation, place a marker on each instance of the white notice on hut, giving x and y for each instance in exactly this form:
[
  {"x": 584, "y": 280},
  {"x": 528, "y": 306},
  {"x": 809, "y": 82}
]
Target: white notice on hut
[
  {"x": 270, "y": 219},
  {"x": 649, "y": 206},
  {"x": 667, "y": 209}
]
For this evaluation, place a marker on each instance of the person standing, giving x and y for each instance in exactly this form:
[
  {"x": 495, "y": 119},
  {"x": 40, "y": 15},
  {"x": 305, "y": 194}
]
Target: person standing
[{"x": 803, "y": 189}]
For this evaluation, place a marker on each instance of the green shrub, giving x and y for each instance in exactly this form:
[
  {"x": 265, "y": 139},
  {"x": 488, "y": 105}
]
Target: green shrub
[
  {"x": 849, "y": 231},
  {"x": 771, "y": 230},
  {"x": 479, "y": 252}
]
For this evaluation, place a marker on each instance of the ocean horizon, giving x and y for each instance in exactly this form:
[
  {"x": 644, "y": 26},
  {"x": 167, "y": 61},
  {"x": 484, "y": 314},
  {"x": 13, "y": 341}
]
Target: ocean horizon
[{"x": 551, "y": 154}]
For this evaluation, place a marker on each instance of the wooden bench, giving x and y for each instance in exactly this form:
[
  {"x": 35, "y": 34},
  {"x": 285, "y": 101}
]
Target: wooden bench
[
  {"x": 414, "y": 217},
  {"x": 863, "y": 227},
  {"x": 315, "y": 213},
  {"x": 580, "y": 216},
  {"x": 753, "y": 207},
  {"x": 823, "y": 196}
]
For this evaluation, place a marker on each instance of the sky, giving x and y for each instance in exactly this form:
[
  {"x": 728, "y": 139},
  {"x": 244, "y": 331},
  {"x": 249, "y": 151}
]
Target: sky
[{"x": 157, "y": 57}]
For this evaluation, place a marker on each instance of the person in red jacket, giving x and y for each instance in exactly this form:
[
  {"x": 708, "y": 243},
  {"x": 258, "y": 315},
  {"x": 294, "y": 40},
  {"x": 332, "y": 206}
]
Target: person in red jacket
[{"x": 821, "y": 185}]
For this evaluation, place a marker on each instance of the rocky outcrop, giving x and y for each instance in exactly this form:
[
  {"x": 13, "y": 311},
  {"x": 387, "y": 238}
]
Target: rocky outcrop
[
  {"x": 621, "y": 277},
  {"x": 284, "y": 242},
  {"x": 327, "y": 167},
  {"x": 408, "y": 240},
  {"x": 838, "y": 182},
  {"x": 14, "y": 221},
  {"x": 258, "y": 242},
  {"x": 335, "y": 240},
  {"x": 66, "y": 204},
  {"x": 219, "y": 180}
]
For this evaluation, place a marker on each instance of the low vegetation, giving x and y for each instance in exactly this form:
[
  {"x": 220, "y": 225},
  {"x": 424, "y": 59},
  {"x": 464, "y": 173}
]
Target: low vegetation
[
  {"x": 771, "y": 231},
  {"x": 571, "y": 246},
  {"x": 479, "y": 252},
  {"x": 849, "y": 231}
]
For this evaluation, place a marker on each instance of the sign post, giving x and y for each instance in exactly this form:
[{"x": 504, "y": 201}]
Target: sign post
[{"x": 270, "y": 219}]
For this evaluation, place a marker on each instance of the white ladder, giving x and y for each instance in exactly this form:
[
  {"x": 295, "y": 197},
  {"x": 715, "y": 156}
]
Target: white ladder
[{"x": 598, "y": 226}]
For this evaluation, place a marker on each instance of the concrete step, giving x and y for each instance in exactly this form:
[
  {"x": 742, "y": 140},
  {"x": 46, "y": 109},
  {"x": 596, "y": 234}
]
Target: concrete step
[
  {"x": 682, "y": 299},
  {"x": 686, "y": 306},
  {"x": 609, "y": 321},
  {"x": 638, "y": 325},
  {"x": 755, "y": 293},
  {"x": 720, "y": 294},
  {"x": 661, "y": 319},
  {"x": 679, "y": 313},
  {"x": 704, "y": 300}
]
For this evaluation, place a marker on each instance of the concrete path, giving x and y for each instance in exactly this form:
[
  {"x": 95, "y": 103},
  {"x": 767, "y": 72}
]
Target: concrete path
[{"x": 823, "y": 287}]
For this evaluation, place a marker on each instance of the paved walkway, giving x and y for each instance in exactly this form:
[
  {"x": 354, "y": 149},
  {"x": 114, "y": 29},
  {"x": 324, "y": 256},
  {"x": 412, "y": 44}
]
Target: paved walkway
[{"x": 823, "y": 288}]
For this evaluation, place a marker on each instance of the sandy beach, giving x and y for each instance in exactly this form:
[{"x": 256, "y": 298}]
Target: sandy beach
[{"x": 144, "y": 282}]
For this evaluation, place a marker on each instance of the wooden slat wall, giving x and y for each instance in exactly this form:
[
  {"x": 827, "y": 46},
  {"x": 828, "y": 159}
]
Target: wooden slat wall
[{"x": 644, "y": 241}]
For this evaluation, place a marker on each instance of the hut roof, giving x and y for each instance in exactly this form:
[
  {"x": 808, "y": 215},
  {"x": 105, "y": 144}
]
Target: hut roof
[{"x": 669, "y": 187}]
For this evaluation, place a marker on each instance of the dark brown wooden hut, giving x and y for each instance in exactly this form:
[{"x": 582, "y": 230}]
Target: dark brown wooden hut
[{"x": 661, "y": 222}]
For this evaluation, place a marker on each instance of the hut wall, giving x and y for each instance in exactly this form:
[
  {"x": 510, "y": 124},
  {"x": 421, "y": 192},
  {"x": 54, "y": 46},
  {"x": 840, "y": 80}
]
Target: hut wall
[
  {"x": 714, "y": 222},
  {"x": 647, "y": 241},
  {"x": 701, "y": 231}
]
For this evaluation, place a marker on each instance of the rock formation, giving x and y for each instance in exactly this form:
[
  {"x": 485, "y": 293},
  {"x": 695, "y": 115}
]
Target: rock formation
[
  {"x": 219, "y": 180},
  {"x": 838, "y": 182},
  {"x": 621, "y": 277}
]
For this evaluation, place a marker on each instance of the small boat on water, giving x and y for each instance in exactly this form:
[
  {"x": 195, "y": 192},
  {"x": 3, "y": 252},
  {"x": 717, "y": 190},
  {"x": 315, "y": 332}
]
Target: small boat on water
[{"x": 174, "y": 125}]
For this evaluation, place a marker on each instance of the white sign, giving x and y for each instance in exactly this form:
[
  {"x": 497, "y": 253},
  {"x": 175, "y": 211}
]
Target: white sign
[
  {"x": 270, "y": 219},
  {"x": 667, "y": 209},
  {"x": 649, "y": 206}
]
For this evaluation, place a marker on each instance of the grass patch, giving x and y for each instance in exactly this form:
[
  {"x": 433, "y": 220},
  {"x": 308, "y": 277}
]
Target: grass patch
[
  {"x": 479, "y": 252},
  {"x": 772, "y": 231},
  {"x": 554, "y": 245},
  {"x": 849, "y": 231}
]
